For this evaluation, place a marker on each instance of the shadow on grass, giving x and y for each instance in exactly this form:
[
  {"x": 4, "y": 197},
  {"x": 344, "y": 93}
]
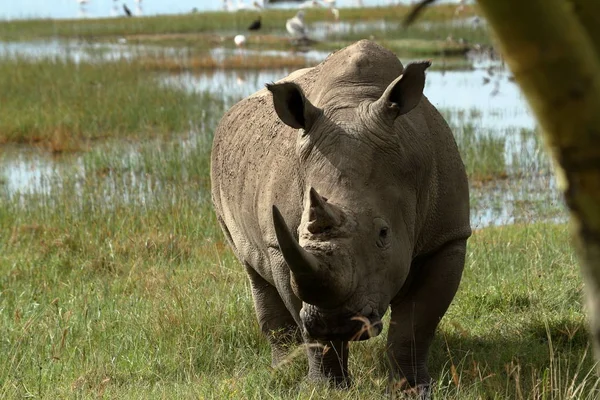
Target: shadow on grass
[{"x": 539, "y": 357}]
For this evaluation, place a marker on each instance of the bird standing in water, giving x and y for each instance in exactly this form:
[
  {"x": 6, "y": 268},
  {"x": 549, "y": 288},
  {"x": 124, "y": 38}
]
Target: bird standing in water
[
  {"x": 254, "y": 26},
  {"x": 296, "y": 26},
  {"x": 239, "y": 40}
]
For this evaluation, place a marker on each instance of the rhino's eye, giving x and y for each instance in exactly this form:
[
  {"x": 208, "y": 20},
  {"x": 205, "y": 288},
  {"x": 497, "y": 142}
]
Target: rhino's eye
[
  {"x": 382, "y": 230},
  {"x": 382, "y": 241}
]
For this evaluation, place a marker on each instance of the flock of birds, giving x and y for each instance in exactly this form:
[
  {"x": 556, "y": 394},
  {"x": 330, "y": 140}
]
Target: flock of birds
[
  {"x": 228, "y": 5},
  {"x": 295, "y": 26}
]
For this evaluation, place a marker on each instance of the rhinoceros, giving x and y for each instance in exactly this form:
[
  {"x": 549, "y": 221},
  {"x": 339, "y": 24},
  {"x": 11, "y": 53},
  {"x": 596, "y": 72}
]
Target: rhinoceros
[{"x": 341, "y": 190}]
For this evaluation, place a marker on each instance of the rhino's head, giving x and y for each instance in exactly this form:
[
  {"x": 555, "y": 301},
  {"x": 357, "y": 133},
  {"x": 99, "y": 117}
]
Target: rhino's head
[{"x": 353, "y": 250}]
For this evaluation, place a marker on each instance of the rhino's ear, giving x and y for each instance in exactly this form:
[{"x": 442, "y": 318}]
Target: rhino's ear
[
  {"x": 292, "y": 107},
  {"x": 405, "y": 92}
]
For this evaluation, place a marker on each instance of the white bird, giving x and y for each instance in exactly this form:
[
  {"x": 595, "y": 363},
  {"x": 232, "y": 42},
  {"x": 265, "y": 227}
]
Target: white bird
[
  {"x": 296, "y": 26},
  {"x": 336, "y": 13},
  {"x": 239, "y": 40}
]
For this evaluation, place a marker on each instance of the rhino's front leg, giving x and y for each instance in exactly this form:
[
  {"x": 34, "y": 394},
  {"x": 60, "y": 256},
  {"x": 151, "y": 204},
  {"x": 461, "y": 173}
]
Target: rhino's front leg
[
  {"x": 275, "y": 320},
  {"x": 416, "y": 312},
  {"x": 328, "y": 361}
]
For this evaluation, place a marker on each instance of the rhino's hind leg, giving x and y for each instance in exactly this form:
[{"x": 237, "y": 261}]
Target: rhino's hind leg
[
  {"x": 274, "y": 319},
  {"x": 328, "y": 361},
  {"x": 417, "y": 311}
]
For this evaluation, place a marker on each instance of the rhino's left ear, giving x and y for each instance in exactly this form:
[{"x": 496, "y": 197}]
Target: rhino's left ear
[
  {"x": 405, "y": 92},
  {"x": 292, "y": 107}
]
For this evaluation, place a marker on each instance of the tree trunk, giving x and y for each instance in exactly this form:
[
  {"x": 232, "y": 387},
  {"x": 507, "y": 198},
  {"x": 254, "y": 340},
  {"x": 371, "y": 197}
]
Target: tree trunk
[{"x": 553, "y": 49}]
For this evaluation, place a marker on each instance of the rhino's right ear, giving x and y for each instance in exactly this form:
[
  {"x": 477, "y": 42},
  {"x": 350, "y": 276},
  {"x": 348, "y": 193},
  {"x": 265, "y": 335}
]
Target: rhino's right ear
[
  {"x": 405, "y": 92},
  {"x": 292, "y": 107}
]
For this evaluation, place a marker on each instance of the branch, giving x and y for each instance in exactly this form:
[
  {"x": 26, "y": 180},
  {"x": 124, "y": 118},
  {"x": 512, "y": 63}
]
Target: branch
[{"x": 416, "y": 11}]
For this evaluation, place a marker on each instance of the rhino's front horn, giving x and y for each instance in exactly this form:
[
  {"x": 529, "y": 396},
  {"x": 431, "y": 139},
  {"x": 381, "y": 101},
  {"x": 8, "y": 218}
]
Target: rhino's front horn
[
  {"x": 321, "y": 216},
  {"x": 304, "y": 265}
]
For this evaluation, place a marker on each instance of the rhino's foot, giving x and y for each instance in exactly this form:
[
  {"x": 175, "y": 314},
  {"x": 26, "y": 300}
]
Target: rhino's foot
[
  {"x": 337, "y": 381},
  {"x": 329, "y": 362},
  {"x": 402, "y": 390},
  {"x": 284, "y": 345}
]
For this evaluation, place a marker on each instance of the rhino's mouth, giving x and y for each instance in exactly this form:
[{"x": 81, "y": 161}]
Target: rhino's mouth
[{"x": 339, "y": 325}]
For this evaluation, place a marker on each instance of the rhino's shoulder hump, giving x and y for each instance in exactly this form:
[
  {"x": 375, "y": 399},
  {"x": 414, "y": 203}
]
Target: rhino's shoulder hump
[{"x": 361, "y": 70}]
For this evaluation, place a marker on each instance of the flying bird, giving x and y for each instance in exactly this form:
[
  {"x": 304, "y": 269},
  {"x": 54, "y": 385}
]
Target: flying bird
[
  {"x": 127, "y": 10},
  {"x": 296, "y": 26},
  {"x": 254, "y": 26}
]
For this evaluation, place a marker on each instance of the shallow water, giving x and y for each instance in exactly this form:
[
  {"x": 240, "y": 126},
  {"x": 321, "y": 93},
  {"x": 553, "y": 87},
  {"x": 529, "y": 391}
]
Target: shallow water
[
  {"x": 532, "y": 197},
  {"x": 483, "y": 102},
  {"x": 82, "y": 51},
  {"x": 313, "y": 56}
]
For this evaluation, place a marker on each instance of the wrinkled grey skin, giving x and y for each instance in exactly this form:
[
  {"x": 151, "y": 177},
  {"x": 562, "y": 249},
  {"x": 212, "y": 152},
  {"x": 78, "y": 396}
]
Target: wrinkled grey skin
[{"x": 343, "y": 194}]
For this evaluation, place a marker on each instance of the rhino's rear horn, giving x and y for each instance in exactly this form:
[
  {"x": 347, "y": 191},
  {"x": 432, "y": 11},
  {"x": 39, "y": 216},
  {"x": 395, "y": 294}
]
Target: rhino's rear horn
[
  {"x": 303, "y": 265},
  {"x": 321, "y": 215}
]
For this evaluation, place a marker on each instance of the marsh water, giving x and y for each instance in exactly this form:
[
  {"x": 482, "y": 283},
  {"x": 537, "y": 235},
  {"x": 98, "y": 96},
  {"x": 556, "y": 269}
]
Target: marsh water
[{"x": 511, "y": 178}]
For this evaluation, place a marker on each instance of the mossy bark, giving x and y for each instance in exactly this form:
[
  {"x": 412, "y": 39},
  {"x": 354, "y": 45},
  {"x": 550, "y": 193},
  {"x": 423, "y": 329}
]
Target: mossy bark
[{"x": 553, "y": 48}]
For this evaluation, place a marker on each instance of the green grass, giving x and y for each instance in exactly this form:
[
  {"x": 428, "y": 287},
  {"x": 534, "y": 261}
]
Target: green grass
[
  {"x": 64, "y": 104},
  {"x": 117, "y": 282}
]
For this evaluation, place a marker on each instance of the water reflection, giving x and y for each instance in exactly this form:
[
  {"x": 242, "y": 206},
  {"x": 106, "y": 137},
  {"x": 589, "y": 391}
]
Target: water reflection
[
  {"x": 532, "y": 197},
  {"x": 81, "y": 51},
  {"x": 27, "y": 171},
  {"x": 517, "y": 200},
  {"x": 321, "y": 30},
  {"x": 314, "y": 56}
]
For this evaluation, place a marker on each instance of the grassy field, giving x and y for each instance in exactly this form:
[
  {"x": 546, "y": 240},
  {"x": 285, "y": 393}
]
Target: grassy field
[
  {"x": 116, "y": 282},
  {"x": 63, "y": 104}
]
